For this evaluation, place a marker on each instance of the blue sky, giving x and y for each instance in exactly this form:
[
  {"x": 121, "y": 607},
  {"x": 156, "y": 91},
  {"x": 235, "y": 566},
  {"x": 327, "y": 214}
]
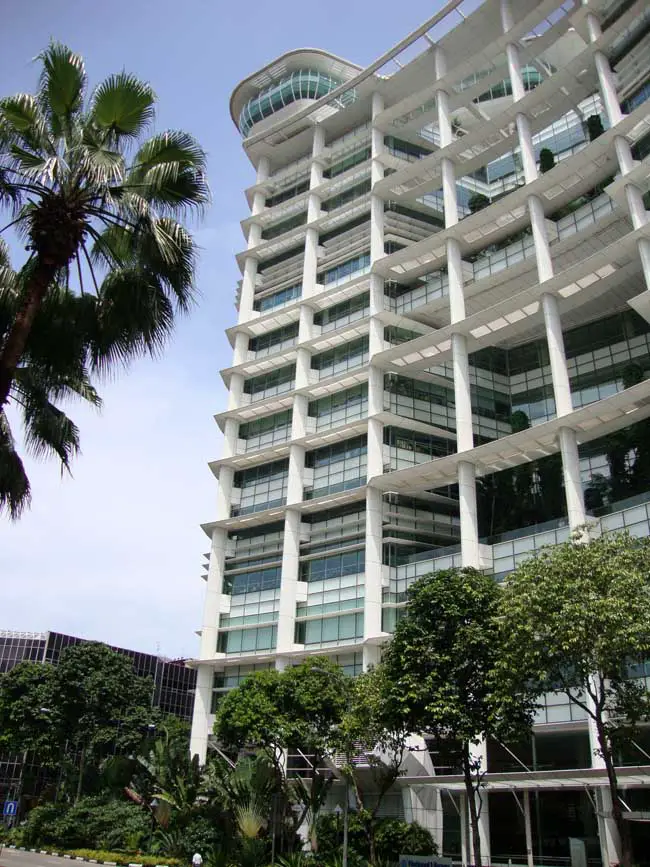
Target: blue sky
[{"x": 115, "y": 552}]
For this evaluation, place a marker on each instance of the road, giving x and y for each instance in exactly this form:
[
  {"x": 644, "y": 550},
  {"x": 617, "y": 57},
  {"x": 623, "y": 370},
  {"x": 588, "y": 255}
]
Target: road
[{"x": 13, "y": 858}]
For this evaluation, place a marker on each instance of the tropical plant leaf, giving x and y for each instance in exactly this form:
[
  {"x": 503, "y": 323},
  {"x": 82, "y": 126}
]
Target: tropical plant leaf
[
  {"x": 62, "y": 83},
  {"x": 15, "y": 493},
  {"x": 123, "y": 105}
]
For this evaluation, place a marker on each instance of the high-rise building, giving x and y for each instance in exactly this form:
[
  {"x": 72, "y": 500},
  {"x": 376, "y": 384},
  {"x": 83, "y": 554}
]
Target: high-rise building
[{"x": 441, "y": 358}]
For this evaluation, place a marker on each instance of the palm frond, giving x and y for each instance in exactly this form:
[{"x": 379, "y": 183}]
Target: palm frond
[
  {"x": 48, "y": 429},
  {"x": 134, "y": 316},
  {"x": 122, "y": 106},
  {"x": 170, "y": 171},
  {"x": 97, "y": 160},
  {"x": 15, "y": 493},
  {"x": 169, "y": 250},
  {"x": 62, "y": 85},
  {"x": 23, "y": 122}
]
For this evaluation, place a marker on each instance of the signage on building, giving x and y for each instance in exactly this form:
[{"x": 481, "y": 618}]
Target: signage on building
[{"x": 424, "y": 861}]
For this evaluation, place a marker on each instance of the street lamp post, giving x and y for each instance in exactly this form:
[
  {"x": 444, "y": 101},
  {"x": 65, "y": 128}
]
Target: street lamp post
[{"x": 346, "y": 811}]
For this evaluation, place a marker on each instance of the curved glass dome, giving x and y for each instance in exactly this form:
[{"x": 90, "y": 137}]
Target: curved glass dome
[{"x": 301, "y": 84}]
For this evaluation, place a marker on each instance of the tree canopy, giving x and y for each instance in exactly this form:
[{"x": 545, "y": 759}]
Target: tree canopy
[
  {"x": 440, "y": 667},
  {"x": 575, "y": 619}
]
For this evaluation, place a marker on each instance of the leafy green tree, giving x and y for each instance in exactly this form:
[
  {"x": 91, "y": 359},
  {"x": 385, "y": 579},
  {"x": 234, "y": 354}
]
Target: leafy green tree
[
  {"x": 102, "y": 704},
  {"x": 440, "y": 668},
  {"x": 372, "y": 732},
  {"x": 100, "y": 210},
  {"x": 393, "y": 837},
  {"x": 27, "y": 719},
  {"x": 297, "y": 708},
  {"x": 575, "y": 619}
]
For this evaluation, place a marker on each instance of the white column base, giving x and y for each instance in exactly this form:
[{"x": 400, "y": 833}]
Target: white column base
[
  {"x": 469, "y": 546},
  {"x": 200, "y": 715}
]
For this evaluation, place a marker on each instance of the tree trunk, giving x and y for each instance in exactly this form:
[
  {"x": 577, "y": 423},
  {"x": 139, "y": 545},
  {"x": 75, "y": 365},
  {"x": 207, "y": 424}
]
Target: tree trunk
[
  {"x": 82, "y": 763},
  {"x": 14, "y": 346},
  {"x": 372, "y": 849},
  {"x": 623, "y": 828},
  {"x": 471, "y": 803}
]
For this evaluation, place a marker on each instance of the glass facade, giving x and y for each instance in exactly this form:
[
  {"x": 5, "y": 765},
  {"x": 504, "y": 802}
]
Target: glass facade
[
  {"x": 360, "y": 431},
  {"x": 302, "y": 84}
]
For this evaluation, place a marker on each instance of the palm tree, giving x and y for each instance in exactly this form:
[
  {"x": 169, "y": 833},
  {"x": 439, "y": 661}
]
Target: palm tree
[
  {"x": 99, "y": 211},
  {"x": 43, "y": 378}
]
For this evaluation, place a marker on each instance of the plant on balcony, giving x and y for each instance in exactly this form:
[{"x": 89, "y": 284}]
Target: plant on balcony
[
  {"x": 477, "y": 202},
  {"x": 594, "y": 126},
  {"x": 546, "y": 160}
]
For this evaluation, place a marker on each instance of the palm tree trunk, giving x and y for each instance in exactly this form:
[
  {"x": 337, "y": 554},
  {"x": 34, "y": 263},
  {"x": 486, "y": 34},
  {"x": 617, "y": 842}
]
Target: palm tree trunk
[
  {"x": 623, "y": 827},
  {"x": 14, "y": 346},
  {"x": 471, "y": 803}
]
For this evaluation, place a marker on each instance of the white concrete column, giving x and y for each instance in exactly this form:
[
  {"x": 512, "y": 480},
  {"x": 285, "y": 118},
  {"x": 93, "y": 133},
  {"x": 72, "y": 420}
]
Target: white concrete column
[
  {"x": 201, "y": 712},
  {"x": 460, "y": 357},
  {"x": 295, "y": 477},
  {"x": 230, "y": 437},
  {"x": 254, "y": 236},
  {"x": 626, "y": 161},
  {"x": 375, "y": 426},
  {"x": 310, "y": 262},
  {"x": 290, "y": 575},
  {"x": 259, "y": 199},
  {"x": 610, "y": 841},
  {"x": 478, "y": 752},
  {"x": 247, "y": 293},
  {"x": 305, "y": 324},
  {"x": 469, "y": 547},
  {"x": 555, "y": 340},
  {"x": 373, "y": 589},
  {"x": 236, "y": 391},
  {"x": 208, "y": 645},
  {"x": 299, "y": 416},
  {"x": 240, "y": 352},
  {"x": 465, "y": 844},
  {"x": 224, "y": 492},
  {"x": 375, "y": 435},
  {"x": 549, "y": 303},
  {"x": 303, "y": 367}
]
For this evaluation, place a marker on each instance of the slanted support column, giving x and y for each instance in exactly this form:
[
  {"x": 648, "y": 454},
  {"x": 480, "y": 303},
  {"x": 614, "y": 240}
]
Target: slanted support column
[
  {"x": 552, "y": 321},
  {"x": 289, "y": 579},
  {"x": 254, "y": 235},
  {"x": 240, "y": 352},
  {"x": 373, "y": 589},
  {"x": 310, "y": 263},
  {"x": 208, "y": 646},
  {"x": 375, "y": 437},
  {"x": 479, "y": 754},
  {"x": 610, "y": 841},
  {"x": 460, "y": 356},
  {"x": 230, "y": 436},
  {"x": 236, "y": 391},
  {"x": 626, "y": 161},
  {"x": 224, "y": 492}
]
